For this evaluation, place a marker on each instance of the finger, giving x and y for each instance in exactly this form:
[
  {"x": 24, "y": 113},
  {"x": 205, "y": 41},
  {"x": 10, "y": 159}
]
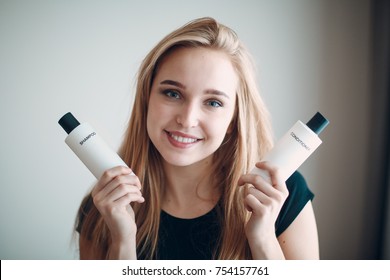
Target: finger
[
  {"x": 259, "y": 183},
  {"x": 272, "y": 203},
  {"x": 120, "y": 205},
  {"x": 254, "y": 205},
  {"x": 123, "y": 190},
  {"x": 277, "y": 180},
  {"x": 125, "y": 200},
  {"x": 121, "y": 180},
  {"x": 120, "y": 197},
  {"x": 260, "y": 196},
  {"x": 109, "y": 175},
  {"x": 273, "y": 171},
  {"x": 248, "y": 179},
  {"x": 117, "y": 193}
]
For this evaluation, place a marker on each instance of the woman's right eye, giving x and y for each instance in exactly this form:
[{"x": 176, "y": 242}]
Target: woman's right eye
[{"x": 171, "y": 93}]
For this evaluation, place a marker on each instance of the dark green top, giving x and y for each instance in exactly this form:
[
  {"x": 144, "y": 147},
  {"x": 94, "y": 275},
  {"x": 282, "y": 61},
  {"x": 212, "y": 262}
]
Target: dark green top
[{"x": 197, "y": 238}]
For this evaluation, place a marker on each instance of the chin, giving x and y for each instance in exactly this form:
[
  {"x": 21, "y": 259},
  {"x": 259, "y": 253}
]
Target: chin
[
  {"x": 179, "y": 162},
  {"x": 186, "y": 161}
]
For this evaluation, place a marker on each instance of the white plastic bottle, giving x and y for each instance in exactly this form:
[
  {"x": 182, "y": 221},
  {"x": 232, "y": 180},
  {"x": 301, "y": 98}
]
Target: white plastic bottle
[
  {"x": 295, "y": 147},
  {"x": 89, "y": 146}
]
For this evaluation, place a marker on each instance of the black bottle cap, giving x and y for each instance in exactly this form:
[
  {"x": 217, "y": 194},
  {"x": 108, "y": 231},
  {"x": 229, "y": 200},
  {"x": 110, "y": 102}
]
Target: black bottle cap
[
  {"x": 317, "y": 123},
  {"x": 68, "y": 122}
]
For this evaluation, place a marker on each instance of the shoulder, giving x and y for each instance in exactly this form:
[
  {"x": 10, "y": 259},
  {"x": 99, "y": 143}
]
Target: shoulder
[
  {"x": 299, "y": 196},
  {"x": 298, "y": 188},
  {"x": 296, "y": 179}
]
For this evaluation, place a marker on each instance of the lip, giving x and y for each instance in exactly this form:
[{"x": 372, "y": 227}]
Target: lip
[{"x": 182, "y": 140}]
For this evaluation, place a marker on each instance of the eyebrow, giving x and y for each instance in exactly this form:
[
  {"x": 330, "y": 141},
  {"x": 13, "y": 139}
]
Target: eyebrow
[
  {"x": 172, "y": 83},
  {"x": 208, "y": 91}
]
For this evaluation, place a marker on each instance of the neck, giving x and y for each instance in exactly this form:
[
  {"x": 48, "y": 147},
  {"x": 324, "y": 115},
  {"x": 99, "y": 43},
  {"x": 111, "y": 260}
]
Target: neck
[{"x": 190, "y": 191}]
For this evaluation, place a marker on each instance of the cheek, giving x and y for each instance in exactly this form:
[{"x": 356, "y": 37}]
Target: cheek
[
  {"x": 158, "y": 116},
  {"x": 218, "y": 128},
  {"x": 153, "y": 112}
]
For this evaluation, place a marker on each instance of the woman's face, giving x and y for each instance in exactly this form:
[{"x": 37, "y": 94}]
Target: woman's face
[{"x": 191, "y": 104}]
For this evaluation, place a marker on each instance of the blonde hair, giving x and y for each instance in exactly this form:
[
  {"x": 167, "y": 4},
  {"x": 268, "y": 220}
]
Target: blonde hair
[{"x": 249, "y": 139}]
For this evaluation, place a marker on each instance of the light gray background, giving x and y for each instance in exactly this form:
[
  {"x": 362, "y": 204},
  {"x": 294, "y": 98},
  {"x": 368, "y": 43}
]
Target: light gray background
[{"x": 82, "y": 56}]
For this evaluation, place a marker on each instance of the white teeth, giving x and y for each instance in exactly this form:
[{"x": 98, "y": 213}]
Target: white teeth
[{"x": 182, "y": 139}]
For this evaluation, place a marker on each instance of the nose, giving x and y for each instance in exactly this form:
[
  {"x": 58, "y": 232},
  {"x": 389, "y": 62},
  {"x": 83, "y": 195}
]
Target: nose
[{"x": 188, "y": 115}]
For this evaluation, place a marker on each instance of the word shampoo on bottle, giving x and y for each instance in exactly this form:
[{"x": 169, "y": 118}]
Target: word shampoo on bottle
[
  {"x": 294, "y": 147},
  {"x": 84, "y": 141}
]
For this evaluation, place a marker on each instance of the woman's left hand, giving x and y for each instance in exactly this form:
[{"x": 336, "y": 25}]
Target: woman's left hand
[{"x": 265, "y": 200}]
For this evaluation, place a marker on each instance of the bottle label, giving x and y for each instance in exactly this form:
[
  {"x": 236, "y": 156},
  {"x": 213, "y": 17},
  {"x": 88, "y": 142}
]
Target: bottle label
[
  {"x": 291, "y": 150},
  {"x": 86, "y": 138},
  {"x": 299, "y": 141},
  {"x": 92, "y": 150}
]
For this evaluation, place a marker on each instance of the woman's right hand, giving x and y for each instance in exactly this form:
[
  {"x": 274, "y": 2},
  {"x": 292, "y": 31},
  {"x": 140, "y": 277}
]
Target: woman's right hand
[{"x": 112, "y": 195}]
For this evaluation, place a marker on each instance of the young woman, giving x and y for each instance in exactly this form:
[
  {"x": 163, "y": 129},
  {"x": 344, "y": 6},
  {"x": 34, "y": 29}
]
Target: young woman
[{"x": 197, "y": 128}]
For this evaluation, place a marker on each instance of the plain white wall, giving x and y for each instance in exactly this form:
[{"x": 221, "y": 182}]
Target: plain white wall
[{"x": 82, "y": 56}]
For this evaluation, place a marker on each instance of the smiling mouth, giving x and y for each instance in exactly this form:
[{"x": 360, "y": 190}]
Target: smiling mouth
[{"x": 182, "y": 139}]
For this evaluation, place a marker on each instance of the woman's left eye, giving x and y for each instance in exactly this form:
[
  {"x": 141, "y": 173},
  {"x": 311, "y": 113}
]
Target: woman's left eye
[{"x": 214, "y": 103}]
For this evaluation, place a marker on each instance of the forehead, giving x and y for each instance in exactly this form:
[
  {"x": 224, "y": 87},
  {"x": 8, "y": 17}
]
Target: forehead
[{"x": 201, "y": 67}]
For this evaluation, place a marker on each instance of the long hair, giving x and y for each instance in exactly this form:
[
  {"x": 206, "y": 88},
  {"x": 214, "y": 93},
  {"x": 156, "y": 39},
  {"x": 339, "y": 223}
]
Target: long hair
[{"x": 250, "y": 137}]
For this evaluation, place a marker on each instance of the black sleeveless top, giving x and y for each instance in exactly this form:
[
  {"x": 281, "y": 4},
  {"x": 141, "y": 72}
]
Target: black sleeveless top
[{"x": 198, "y": 238}]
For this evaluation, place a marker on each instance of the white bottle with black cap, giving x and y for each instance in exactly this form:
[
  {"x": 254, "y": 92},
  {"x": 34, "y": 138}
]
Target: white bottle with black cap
[
  {"x": 294, "y": 147},
  {"x": 86, "y": 143}
]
